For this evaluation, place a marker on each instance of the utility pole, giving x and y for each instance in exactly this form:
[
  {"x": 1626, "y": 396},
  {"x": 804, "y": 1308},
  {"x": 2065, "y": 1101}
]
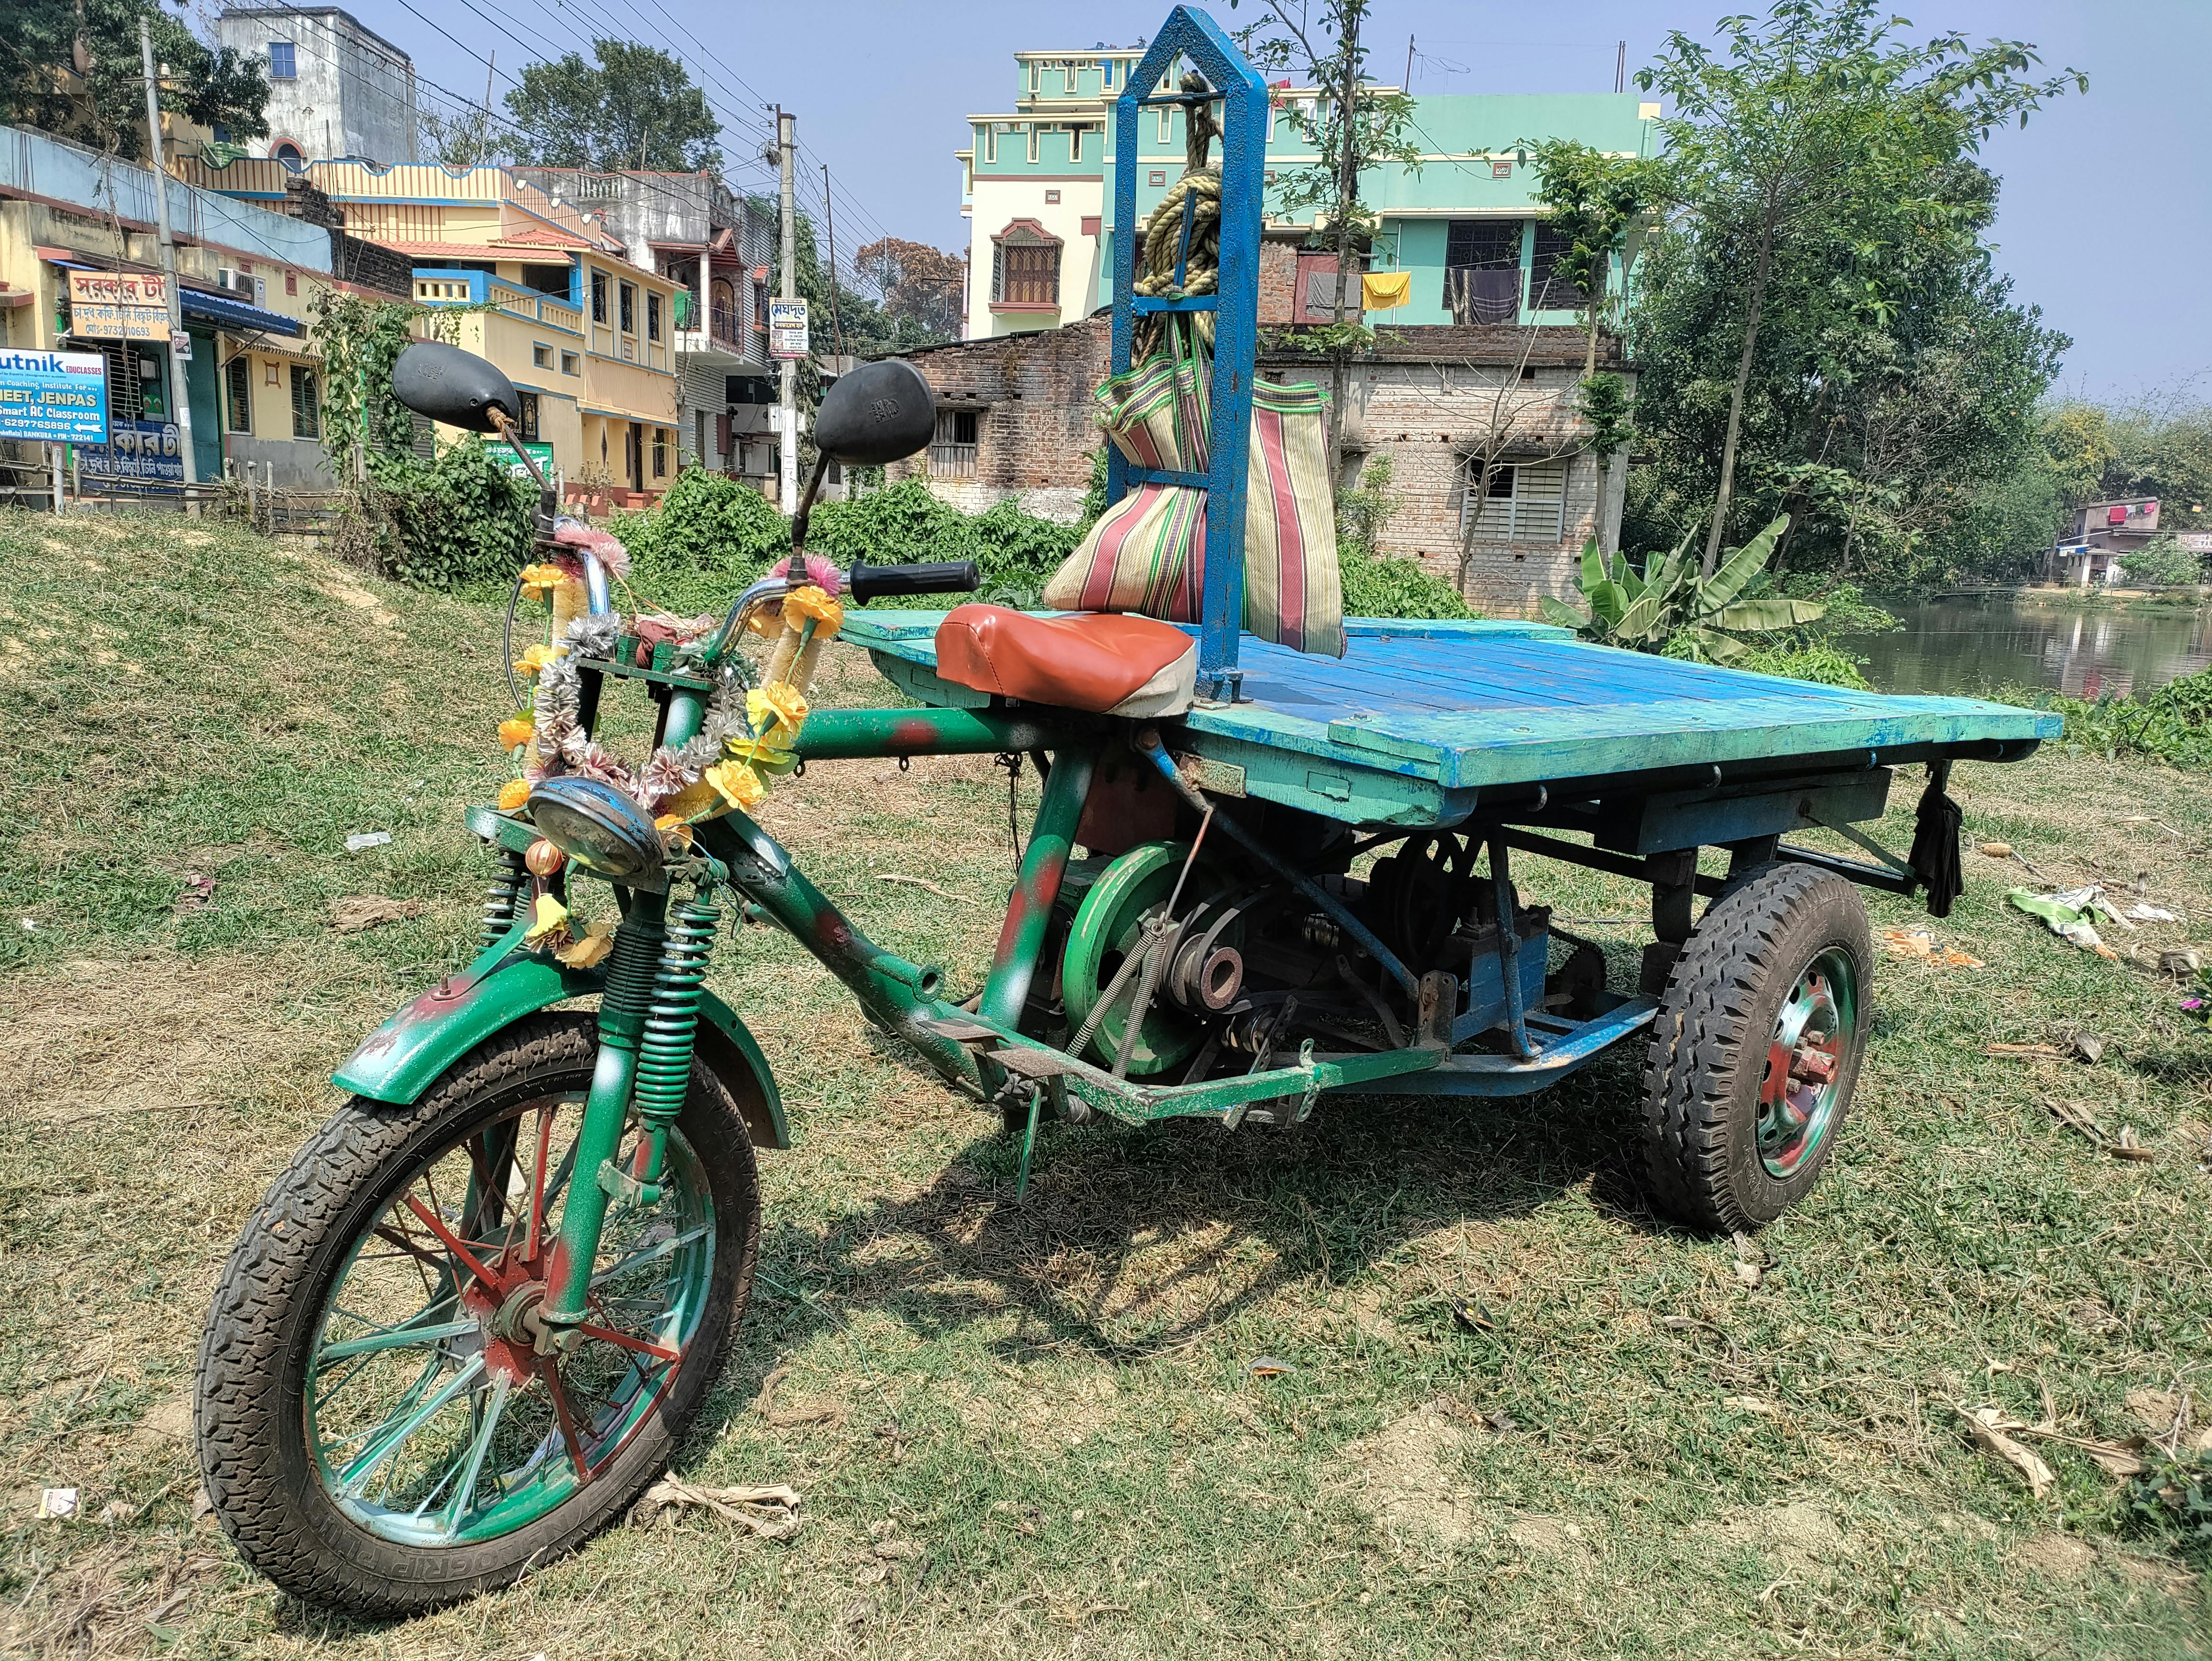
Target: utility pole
[
  {"x": 787, "y": 396},
  {"x": 1349, "y": 13},
  {"x": 1408, "y": 87},
  {"x": 830, "y": 213},
  {"x": 181, "y": 397}
]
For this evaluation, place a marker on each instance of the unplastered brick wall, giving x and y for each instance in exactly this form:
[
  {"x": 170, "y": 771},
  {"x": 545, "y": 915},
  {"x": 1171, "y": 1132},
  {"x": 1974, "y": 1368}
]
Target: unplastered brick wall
[
  {"x": 1279, "y": 277},
  {"x": 1030, "y": 396},
  {"x": 1432, "y": 398}
]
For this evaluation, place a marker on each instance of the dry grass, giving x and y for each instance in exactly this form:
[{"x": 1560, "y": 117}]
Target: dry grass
[{"x": 1052, "y": 1400}]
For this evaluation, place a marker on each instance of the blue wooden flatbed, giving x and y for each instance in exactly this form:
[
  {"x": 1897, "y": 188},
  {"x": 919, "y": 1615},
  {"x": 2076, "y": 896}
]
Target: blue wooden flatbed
[{"x": 1424, "y": 723}]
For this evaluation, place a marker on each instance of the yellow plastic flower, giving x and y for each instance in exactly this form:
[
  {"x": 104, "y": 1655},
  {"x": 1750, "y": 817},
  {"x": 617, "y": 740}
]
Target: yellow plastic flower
[
  {"x": 551, "y": 916},
  {"x": 766, "y": 755},
  {"x": 590, "y": 948},
  {"x": 535, "y": 658},
  {"x": 800, "y": 603},
  {"x": 672, "y": 825},
  {"x": 516, "y": 730},
  {"x": 539, "y": 581},
  {"x": 736, "y": 783},
  {"x": 781, "y": 699},
  {"x": 692, "y": 802},
  {"x": 512, "y": 795}
]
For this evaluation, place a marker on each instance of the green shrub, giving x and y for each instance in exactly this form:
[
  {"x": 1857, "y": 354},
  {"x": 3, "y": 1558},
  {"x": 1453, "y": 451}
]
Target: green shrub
[
  {"x": 2162, "y": 562},
  {"x": 2172, "y": 725},
  {"x": 1377, "y": 584},
  {"x": 458, "y": 520},
  {"x": 1818, "y": 659}
]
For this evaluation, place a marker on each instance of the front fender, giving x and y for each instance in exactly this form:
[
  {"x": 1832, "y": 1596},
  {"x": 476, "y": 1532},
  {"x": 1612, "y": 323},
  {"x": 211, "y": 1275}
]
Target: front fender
[{"x": 402, "y": 1058}]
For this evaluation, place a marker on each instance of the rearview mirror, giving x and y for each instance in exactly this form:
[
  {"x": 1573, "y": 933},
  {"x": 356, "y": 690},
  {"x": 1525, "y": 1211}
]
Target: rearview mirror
[
  {"x": 881, "y": 412},
  {"x": 454, "y": 387}
]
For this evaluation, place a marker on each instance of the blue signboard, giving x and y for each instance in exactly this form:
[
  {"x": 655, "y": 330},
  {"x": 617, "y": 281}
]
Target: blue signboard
[
  {"x": 149, "y": 450},
  {"x": 61, "y": 396}
]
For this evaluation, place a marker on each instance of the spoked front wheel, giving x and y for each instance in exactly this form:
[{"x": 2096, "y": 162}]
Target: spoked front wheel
[{"x": 380, "y": 1428}]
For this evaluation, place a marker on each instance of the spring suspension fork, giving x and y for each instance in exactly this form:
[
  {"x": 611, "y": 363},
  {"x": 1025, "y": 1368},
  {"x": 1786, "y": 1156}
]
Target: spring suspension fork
[
  {"x": 503, "y": 899},
  {"x": 664, "y": 1055}
]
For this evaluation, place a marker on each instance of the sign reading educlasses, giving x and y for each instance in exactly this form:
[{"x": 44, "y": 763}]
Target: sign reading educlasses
[{"x": 57, "y": 396}]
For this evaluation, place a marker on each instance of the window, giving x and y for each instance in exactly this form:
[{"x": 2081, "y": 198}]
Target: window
[
  {"x": 1052, "y": 198},
  {"x": 541, "y": 355},
  {"x": 629, "y": 308},
  {"x": 653, "y": 317},
  {"x": 290, "y": 154},
  {"x": 1525, "y": 502},
  {"x": 571, "y": 365},
  {"x": 1033, "y": 78},
  {"x": 952, "y": 452},
  {"x": 1025, "y": 266},
  {"x": 660, "y": 452},
  {"x": 237, "y": 394},
  {"x": 1033, "y": 130},
  {"x": 528, "y": 421},
  {"x": 1105, "y": 75},
  {"x": 699, "y": 436},
  {"x": 1075, "y": 141},
  {"x": 282, "y": 64},
  {"x": 307, "y": 403},
  {"x": 1167, "y": 122},
  {"x": 1069, "y": 85},
  {"x": 1482, "y": 271},
  {"x": 990, "y": 131},
  {"x": 1549, "y": 290},
  {"x": 598, "y": 296},
  {"x": 291, "y": 283}
]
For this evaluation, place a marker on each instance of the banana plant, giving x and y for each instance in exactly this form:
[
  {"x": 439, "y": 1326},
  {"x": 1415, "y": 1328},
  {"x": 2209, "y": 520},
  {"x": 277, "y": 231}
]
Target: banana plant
[{"x": 1668, "y": 607}]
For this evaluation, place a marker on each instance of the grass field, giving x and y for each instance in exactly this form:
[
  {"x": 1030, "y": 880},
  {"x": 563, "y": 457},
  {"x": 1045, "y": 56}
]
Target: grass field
[{"x": 1033, "y": 1427}]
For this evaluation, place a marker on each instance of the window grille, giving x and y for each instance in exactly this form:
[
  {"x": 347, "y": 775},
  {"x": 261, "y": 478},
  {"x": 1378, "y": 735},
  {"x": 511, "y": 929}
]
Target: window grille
[
  {"x": 237, "y": 394},
  {"x": 1482, "y": 271},
  {"x": 1025, "y": 273},
  {"x": 1550, "y": 290},
  {"x": 952, "y": 452},
  {"x": 1526, "y": 502},
  {"x": 307, "y": 403}
]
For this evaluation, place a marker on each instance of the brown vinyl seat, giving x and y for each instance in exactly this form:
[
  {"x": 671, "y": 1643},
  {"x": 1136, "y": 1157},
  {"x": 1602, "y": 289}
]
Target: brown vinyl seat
[{"x": 1105, "y": 662}]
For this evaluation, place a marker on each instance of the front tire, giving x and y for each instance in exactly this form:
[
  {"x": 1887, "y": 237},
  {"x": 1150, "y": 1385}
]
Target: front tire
[
  {"x": 1756, "y": 1048},
  {"x": 376, "y": 1430}
]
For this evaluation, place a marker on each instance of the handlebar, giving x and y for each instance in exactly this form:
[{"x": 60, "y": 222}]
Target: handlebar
[{"x": 865, "y": 582}]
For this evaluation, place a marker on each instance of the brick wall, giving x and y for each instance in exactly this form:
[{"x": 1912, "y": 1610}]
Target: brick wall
[
  {"x": 1432, "y": 397},
  {"x": 1034, "y": 433},
  {"x": 1278, "y": 276}
]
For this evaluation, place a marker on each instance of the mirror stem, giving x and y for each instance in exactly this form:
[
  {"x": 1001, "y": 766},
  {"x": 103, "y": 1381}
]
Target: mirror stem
[
  {"x": 548, "y": 504},
  {"x": 806, "y": 504}
]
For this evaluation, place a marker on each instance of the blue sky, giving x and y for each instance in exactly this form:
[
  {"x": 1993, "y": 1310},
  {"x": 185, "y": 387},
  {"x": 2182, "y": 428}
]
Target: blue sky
[{"x": 2106, "y": 215}]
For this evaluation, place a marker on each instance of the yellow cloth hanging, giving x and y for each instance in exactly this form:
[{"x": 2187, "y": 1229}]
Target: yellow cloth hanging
[{"x": 1384, "y": 291}]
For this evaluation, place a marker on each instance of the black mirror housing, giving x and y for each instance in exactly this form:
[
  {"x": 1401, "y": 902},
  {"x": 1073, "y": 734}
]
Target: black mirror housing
[
  {"x": 881, "y": 412},
  {"x": 454, "y": 387}
]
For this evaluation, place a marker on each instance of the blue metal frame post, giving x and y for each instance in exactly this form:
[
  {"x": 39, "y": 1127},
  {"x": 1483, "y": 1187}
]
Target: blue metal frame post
[{"x": 1236, "y": 305}]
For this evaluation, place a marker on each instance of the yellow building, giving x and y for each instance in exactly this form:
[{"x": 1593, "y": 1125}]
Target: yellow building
[{"x": 545, "y": 292}]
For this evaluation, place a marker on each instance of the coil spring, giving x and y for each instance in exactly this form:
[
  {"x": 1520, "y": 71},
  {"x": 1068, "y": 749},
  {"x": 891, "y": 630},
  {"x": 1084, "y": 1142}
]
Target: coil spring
[
  {"x": 663, "y": 1057},
  {"x": 503, "y": 899}
]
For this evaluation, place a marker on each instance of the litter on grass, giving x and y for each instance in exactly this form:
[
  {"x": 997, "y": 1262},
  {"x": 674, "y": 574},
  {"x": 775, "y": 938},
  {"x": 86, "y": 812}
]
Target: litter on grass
[
  {"x": 771, "y": 1514},
  {"x": 1989, "y": 1427},
  {"x": 56, "y": 1504},
  {"x": 361, "y": 839},
  {"x": 2068, "y": 915},
  {"x": 2140, "y": 913},
  {"x": 1919, "y": 943}
]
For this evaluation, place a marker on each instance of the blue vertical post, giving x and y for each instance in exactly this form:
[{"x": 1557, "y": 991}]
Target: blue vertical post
[{"x": 1236, "y": 304}]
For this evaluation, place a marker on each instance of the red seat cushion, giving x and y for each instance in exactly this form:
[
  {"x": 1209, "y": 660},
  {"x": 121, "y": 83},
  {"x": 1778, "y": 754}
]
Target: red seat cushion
[{"x": 1092, "y": 660}]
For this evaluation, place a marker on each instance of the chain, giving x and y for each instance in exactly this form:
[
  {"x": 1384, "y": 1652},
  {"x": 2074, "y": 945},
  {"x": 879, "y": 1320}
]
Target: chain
[{"x": 1012, "y": 761}]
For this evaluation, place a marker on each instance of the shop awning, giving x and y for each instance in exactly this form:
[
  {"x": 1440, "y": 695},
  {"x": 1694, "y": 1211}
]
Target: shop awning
[{"x": 237, "y": 313}]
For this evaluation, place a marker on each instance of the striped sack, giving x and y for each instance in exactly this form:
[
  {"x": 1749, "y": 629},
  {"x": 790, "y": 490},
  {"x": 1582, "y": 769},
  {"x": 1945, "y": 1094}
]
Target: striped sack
[{"x": 1147, "y": 552}]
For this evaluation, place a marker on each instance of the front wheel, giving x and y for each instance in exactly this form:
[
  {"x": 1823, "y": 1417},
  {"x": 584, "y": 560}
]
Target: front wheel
[
  {"x": 377, "y": 1429},
  {"x": 1756, "y": 1048}
]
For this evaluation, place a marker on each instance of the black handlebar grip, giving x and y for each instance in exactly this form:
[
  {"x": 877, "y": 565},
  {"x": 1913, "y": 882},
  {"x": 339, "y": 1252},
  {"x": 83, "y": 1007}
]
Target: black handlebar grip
[{"x": 865, "y": 582}]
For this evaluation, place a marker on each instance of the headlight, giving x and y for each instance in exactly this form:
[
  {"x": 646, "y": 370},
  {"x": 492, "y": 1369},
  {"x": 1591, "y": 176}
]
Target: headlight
[{"x": 600, "y": 829}]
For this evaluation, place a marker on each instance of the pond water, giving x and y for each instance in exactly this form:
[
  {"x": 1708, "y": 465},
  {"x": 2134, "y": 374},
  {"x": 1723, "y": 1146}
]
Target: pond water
[{"x": 1966, "y": 645}]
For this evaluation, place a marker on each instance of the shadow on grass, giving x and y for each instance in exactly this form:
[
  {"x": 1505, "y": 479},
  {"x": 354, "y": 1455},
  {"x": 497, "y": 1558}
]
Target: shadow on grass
[{"x": 1133, "y": 1242}]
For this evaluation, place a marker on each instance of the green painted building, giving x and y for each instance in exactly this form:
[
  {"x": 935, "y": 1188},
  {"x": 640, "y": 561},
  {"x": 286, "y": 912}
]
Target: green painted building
[{"x": 1037, "y": 188}]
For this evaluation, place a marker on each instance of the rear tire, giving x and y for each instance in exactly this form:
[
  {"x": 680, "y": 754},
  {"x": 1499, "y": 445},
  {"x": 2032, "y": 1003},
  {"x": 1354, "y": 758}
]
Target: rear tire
[
  {"x": 1756, "y": 1048},
  {"x": 278, "y": 1465}
]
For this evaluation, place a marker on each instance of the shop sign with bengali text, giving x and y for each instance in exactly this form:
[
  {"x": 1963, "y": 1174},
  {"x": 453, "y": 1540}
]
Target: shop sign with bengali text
[
  {"x": 786, "y": 328},
  {"x": 60, "y": 396},
  {"x": 118, "y": 306},
  {"x": 151, "y": 451}
]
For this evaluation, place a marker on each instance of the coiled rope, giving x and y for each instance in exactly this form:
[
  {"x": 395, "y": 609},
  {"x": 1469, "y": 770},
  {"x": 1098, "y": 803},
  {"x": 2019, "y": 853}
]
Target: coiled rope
[{"x": 1202, "y": 263}]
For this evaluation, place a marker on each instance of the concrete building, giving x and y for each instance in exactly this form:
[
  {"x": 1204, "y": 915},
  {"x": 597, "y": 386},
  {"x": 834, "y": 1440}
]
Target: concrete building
[
  {"x": 246, "y": 279},
  {"x": 547, "y": 292},
  {"x": 1035, "y": 185},
  {"x": 335, "y": 89},
  {"x": 718, "y": 249}
]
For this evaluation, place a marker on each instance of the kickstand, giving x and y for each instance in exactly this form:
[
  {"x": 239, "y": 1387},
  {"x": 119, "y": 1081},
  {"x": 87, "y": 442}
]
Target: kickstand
[{"x": 1028, "y": 1142}]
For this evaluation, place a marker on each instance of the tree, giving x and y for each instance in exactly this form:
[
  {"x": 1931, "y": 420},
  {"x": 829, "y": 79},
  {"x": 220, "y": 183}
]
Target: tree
[
  {"x": 1596, "y": 201},
  {"x": 73, "y": 68},
  {"x": 467, "y": 137},
  {"x": 1821, "y": 128},
  {"x": 1352, "y": 126},
  {"x": 916, "y": 283},
  {"x": 637, "y": 108}
]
